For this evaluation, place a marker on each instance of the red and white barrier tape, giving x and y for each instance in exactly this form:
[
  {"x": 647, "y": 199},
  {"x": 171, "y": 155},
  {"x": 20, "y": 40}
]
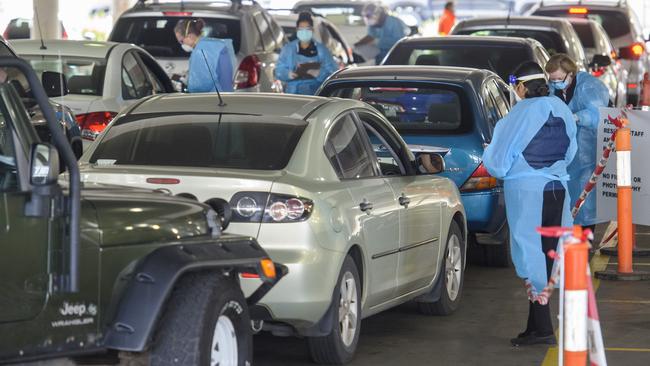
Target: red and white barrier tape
[{"x": 600, "y": 167}]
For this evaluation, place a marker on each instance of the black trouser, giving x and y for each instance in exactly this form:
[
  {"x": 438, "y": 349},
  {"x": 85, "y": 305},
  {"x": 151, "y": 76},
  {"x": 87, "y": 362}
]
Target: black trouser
[{"x": 539, "y": 316}]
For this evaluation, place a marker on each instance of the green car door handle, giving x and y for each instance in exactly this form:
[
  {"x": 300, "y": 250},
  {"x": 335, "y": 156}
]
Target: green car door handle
[{"x": 365, "y": 206}]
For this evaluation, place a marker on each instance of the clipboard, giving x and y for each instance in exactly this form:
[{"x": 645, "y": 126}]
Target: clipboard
[{"x": 309, "y": 70}]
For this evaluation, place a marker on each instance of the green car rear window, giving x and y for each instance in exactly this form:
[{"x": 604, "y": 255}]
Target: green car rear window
[{"x": 236, "y": 142}]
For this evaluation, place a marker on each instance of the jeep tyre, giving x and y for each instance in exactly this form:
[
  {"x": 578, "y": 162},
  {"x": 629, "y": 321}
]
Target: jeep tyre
[
  {"x": 452, "y": 275},
  {"x": 206, "y": 322},
  {"x": 339, "y": 346}
]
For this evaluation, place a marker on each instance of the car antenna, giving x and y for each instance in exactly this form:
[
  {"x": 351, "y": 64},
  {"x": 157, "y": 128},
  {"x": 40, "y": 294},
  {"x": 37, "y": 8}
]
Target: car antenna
[
  {"x": 40, "y": 31},
  {"x": 214, "y": 81},
  {"x": 182, "y": 5}
]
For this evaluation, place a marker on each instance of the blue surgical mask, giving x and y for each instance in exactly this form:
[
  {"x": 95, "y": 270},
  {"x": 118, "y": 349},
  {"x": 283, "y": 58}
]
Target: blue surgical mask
[
  {"x": 560, "y": 84},
  {"x": 304, "y": 35}
]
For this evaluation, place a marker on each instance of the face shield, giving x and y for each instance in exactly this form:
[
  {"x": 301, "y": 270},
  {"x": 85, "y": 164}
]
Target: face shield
[{"x": 513, "y": 81}]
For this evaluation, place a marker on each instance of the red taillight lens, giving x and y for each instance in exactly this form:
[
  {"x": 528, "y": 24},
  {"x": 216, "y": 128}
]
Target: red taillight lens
[
  {"x": 479, "y": 180},
  {"x": 598, "y": 72},
  {"x": 632, "y": 85},
  {"x": 249, "y": 275},
  {"x": 92, "y": 124},
  {"x": 248, "y": 74},
  {"x": 578, "y": 10}
]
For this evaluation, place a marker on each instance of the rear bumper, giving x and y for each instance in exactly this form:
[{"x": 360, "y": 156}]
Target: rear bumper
[{"x": 485, "y": 210}]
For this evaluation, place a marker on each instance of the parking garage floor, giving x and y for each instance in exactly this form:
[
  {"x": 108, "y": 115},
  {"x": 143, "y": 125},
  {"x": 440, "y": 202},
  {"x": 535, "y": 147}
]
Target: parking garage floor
[{"x": 494, "y": 309}]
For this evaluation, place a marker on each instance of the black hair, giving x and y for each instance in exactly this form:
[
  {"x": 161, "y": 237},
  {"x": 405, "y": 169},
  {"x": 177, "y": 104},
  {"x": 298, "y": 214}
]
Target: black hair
[
  {"x": 536, "y": 87},
  {"x": 305, "y": 16},
  {"x": 449, "y": 5}
]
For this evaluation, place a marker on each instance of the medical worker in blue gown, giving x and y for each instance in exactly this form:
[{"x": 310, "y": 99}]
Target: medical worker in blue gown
[
  {"x": 383, "y": 28},
  {"x": 301, "y": 52},
  {"x": 530, "y": 151},
  {"x": 212, "y": 60},
  {"x": 584, "y": 94}
]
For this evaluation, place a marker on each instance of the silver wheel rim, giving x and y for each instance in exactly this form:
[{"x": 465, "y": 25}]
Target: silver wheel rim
[
  {"x": 224, "y": 343},
  {"x": 348, "y": 309},
  {"x": 453, "y": 267}
]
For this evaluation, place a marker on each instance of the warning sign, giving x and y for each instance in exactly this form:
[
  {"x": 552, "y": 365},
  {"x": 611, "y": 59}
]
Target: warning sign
[{"x": 606, "y": 186}]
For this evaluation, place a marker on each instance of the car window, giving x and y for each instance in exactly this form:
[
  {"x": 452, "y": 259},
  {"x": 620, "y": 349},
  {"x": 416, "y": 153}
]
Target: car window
[
  {"x": 542, "y": 55},
  {"x": 156, "y": 34},
  {"x": 233, "y": 142},
  {"x": 335, "y": 13},
  {"x": 615, "y": 22},
  {"x": 502, "y": 59},
  {"x": 388, "y": 159},
  {"x": 346, "y": 149},
  {"x": 336, "y": 37},
  {"x": 585, "y": 33},
  {"x": 83, "y": 75},
  {"x": 499, "y": 99},
  {"x": 411, "y": 107},
  {"x": 276, "y": 30},
  {"x": 551, "y": 40},
  {"x": 8, "y": 171},
  {"x": 134, "y": 79},
  {"x": 4, "y": 50},
  {"x": 491, "y": 110},
  {"x": 265, "y": 31},
  {"x": 158, "y": 85}
]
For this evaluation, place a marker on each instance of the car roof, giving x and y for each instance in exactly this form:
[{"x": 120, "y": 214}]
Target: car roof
[
  {"x": 91, "y": 49},
  {"x": 465, "y": 39},
  {"x": 536, "y": 21},
  {"x": 601, "y": 5},
  {"x": 267, "y": 104},
  {"x": 412, "y": 73},
  {"x": 331, "y": 2},
  {"x": 222, "y": 8}
]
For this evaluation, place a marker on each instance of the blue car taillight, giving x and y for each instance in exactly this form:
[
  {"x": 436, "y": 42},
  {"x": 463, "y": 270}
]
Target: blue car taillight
[{"x": 272, "y": 208}]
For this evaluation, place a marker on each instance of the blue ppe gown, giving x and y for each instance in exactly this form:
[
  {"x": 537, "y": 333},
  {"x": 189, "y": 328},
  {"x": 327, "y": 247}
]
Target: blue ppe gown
[
  {"x": 524, "y": 153},
  {"x": 387, "y": 35},
  {"x": 218, "y": 63},
  {"x": 290, "y": 59},
  {"x": 589, "y": 95}
]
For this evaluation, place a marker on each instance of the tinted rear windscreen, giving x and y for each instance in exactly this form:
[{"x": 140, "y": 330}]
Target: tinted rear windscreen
[
  {"x": 238, "y": 142},
  {"x": 550, "y": 40},
  {"x": 615, "y": 22},
  {"x": 156, "y": 34},
  {"x": 500, "y": 59},
  {"x": 410, "y": 107}
]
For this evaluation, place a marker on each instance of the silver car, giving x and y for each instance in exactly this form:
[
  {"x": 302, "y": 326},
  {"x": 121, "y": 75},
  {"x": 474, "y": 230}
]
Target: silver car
[
  {"x": 326, "y": 185},
  {"x": 255, "y": 35}
]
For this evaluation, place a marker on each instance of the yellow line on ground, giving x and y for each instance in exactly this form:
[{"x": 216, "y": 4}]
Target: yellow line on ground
[
  {"x": 628, "y": 349},
  {"x": 645, "y": 302},
  {"x": 598, "y": 263}
]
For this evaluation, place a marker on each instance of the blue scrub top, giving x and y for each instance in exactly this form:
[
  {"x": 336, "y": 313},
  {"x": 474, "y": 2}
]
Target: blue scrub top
[
  {"x": 211, "y": 58},
  {"x": 531, "y": 147},
  {"x": 388, "y": 34},
  {"x": 289, "y": 61},
  {"x": 590, "y": 94}
]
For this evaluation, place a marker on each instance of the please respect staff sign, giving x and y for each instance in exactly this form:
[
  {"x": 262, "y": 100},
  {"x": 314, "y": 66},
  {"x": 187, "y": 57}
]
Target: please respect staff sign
[{"x": 606, "y": 185}]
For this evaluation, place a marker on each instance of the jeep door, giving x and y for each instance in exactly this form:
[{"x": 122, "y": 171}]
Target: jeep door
[
  {"x": 23, "y": 240},
  {"x": 419, "y": 200},
  {"x": 372, "y": 212}
]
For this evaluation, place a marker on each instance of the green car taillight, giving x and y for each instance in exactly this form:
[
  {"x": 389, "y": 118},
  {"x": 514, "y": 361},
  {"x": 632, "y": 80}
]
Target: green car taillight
[{"x": 271, "y": 208}]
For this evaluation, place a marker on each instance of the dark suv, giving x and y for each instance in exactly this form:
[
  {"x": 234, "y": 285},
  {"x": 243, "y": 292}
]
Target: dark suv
[{"x": 624, "y": 29}]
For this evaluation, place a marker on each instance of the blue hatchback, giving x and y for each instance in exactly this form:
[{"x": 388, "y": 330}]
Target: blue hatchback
[{"x": 449, "y": 107}]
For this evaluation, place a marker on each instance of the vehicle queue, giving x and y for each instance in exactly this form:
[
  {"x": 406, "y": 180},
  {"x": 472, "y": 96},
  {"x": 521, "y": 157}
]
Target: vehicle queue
[{"x": 370, "y": 183}]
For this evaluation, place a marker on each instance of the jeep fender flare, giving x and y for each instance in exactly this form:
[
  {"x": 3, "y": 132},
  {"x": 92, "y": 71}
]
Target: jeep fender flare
[{"x": 150, "y": 284}]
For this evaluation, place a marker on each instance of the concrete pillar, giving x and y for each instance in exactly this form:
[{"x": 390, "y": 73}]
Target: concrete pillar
[
  {"x": 119, "y": 6},
  {"x": 46, "y": 15}
]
